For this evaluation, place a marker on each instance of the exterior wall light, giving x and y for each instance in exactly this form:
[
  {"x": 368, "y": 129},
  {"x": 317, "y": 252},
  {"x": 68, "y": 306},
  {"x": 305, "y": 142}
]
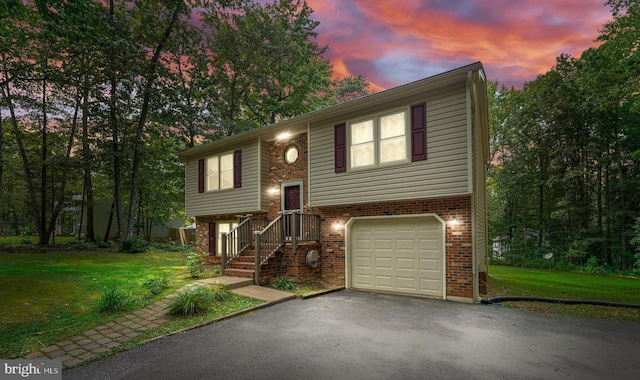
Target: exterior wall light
[
  {"x": 283, "y": 136},
  {"x": 272, "y": 191},
  {"x": 453, "y": 222},
  {"x": 338, "y": 226}
]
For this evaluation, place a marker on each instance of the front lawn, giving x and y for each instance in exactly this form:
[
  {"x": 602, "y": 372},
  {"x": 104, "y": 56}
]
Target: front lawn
[
  {"x": 49, "y": 296},
  {"x": 513, "y": 281}
]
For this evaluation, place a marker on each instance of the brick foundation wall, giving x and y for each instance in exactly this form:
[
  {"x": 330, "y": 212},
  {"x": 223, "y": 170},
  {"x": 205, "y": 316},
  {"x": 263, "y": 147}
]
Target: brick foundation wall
[
  {"x": 284, "y": 263},
  {"x": 459, "y": 252}
]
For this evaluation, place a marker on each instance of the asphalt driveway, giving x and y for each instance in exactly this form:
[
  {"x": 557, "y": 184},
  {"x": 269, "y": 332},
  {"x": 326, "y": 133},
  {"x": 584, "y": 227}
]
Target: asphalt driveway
[{"x": 355, "y": 335}]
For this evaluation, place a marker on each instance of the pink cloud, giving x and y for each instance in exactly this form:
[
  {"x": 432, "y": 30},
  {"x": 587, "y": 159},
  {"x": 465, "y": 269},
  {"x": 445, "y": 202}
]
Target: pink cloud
[{"x": 393, "y": 42}]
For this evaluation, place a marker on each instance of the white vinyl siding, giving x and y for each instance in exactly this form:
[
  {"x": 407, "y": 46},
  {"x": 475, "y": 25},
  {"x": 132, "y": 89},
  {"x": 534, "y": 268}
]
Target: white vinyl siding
[
  {"x": 227, "y": 201},
  {"x": 445, "y": 172}
]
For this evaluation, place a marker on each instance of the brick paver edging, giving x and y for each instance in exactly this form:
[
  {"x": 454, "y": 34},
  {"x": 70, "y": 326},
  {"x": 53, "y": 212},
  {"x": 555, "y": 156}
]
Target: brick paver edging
[{"x": 104, "y": 339}]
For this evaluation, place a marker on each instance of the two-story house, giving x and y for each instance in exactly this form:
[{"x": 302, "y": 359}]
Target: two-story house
[{"x": 384, "y": 193}]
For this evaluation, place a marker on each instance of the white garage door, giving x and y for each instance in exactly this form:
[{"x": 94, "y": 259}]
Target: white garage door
[{"x": 397, "y": 254}]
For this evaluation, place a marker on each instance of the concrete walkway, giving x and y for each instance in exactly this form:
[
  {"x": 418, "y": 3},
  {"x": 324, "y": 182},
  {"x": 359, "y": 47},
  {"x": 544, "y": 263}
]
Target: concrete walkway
[{"x": 109, "y": 336}]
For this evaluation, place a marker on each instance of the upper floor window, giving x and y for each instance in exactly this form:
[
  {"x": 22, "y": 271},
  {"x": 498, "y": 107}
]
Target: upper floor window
[
  {"x": 378, "y": 141},
  {"x": 220, "y": 172}
]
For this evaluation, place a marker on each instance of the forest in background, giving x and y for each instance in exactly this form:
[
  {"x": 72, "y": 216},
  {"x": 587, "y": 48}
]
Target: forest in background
[
  {"x": 96, "y": 97},
  {"x": 564, "y": 177}
]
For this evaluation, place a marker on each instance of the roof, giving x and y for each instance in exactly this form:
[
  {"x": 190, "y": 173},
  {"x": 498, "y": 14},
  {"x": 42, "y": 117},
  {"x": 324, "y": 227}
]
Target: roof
[{"x": 299, "y": 123}]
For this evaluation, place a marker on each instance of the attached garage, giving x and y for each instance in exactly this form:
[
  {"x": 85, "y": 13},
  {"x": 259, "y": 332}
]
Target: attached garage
[{"x": 400, "y": 254}]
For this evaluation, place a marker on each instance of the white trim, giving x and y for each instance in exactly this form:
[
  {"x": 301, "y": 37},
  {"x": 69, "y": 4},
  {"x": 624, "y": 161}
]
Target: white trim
[
  {"x": 469, "y": 133},
  {"x": 347, "y": 245},
  {"x": 375, "y": 118}
]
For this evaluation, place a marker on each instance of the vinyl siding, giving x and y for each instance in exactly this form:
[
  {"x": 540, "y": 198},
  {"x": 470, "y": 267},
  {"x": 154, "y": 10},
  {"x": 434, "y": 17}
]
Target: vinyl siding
[
  {"x": 229, "y": 201},
  {"x": 444, "y": 173}
]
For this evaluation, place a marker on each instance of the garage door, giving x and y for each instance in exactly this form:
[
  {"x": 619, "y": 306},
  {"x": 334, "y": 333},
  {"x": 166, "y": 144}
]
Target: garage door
[{"x": 397, "y": 254}]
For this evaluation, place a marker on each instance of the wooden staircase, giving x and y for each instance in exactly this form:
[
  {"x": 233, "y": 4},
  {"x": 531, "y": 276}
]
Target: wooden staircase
[{"x": 242, "y": 266}]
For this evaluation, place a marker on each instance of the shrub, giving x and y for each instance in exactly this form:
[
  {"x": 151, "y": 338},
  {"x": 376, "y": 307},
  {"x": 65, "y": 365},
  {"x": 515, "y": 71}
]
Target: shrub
[
  {"x": 191, "y": 301},
  {"x": 134, "y": 245},
  {"x": 195, "y": 264},
  {"x": 283, "y": 283},
  {"x": 114, "y": 299}
]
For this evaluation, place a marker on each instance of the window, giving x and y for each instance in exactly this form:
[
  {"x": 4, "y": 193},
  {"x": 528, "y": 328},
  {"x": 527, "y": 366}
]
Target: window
[
  {"x": 382, "y": 140},
  {"x": 220, "y": 172},
  {"x": 378, "y": 141},
  {"x": 223, "y": 228},
  {"x": 291, "y": 154}
]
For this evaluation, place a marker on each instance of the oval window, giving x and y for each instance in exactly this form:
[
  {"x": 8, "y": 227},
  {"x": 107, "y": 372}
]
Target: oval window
[{"x": 291, "y": 154}]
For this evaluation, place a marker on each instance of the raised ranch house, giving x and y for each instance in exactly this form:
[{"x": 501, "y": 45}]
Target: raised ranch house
[{"x": 382, "y": 193}]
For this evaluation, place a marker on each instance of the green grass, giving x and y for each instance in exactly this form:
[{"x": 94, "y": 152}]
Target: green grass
[
  {"x": 32, "y": 239},
  {"x": 48, "y": 297},
  {"x": 513, "y": 281}
]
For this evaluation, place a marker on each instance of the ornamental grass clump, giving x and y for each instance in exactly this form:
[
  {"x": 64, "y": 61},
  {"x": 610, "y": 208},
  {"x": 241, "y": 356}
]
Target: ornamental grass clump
[
  {"x": 154, "y": 286},
  {"x": 220, "y": 292},
  {"x": 191, "y": 301},
  {"x": 283, "y": 283},
  {"x": 114, "y": 299}
]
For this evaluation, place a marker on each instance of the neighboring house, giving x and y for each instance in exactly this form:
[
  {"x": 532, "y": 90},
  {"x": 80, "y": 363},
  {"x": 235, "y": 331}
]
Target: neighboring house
[
  {"x": 385, "y": 192},
  {"x": 103, "y": 221}
]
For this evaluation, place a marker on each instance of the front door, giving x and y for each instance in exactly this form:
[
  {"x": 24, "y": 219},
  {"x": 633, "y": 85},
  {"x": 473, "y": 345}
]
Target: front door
[{"x": 291, "y": 201}]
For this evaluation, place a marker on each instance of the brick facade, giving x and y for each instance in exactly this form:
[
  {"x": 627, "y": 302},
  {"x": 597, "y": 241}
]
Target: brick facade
[{"x": 280, "y": 171}]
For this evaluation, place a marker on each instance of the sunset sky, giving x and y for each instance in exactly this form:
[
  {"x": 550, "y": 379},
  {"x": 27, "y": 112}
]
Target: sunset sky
[{"x": 393, "y": 42}]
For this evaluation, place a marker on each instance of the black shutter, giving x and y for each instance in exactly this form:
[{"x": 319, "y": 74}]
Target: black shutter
[
  {"x": 201, "y": 175},
  {"x": 340, "y": 146},
  {"x": 237, "y": 169},
  {"x": 419, "y": 132}
]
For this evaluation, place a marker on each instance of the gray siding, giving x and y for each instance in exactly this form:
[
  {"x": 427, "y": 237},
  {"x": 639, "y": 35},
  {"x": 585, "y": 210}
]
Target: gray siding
[
  {"x": 444, "y": 173},
  {"x": 230, "y": 201},
  {"x": 264, "y": 175}
]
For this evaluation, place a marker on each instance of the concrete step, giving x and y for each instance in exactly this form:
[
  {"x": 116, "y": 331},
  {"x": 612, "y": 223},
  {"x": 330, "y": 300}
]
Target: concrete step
[{"x": 230, "y": 282}]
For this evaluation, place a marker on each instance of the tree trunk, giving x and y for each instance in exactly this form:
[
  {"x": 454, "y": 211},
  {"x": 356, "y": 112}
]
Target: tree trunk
[
  {"x": 88, "y": 183},
  {"x": 43, "y": 157},
  {"x": 33, "y": 203},
  {"x": 150, "y": 79},
  {"x": 113, "y": 124}
]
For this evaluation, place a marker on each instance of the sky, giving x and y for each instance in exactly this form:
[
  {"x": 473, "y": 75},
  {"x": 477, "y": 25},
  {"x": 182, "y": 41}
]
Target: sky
[{"x": 394, "y": 42}]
